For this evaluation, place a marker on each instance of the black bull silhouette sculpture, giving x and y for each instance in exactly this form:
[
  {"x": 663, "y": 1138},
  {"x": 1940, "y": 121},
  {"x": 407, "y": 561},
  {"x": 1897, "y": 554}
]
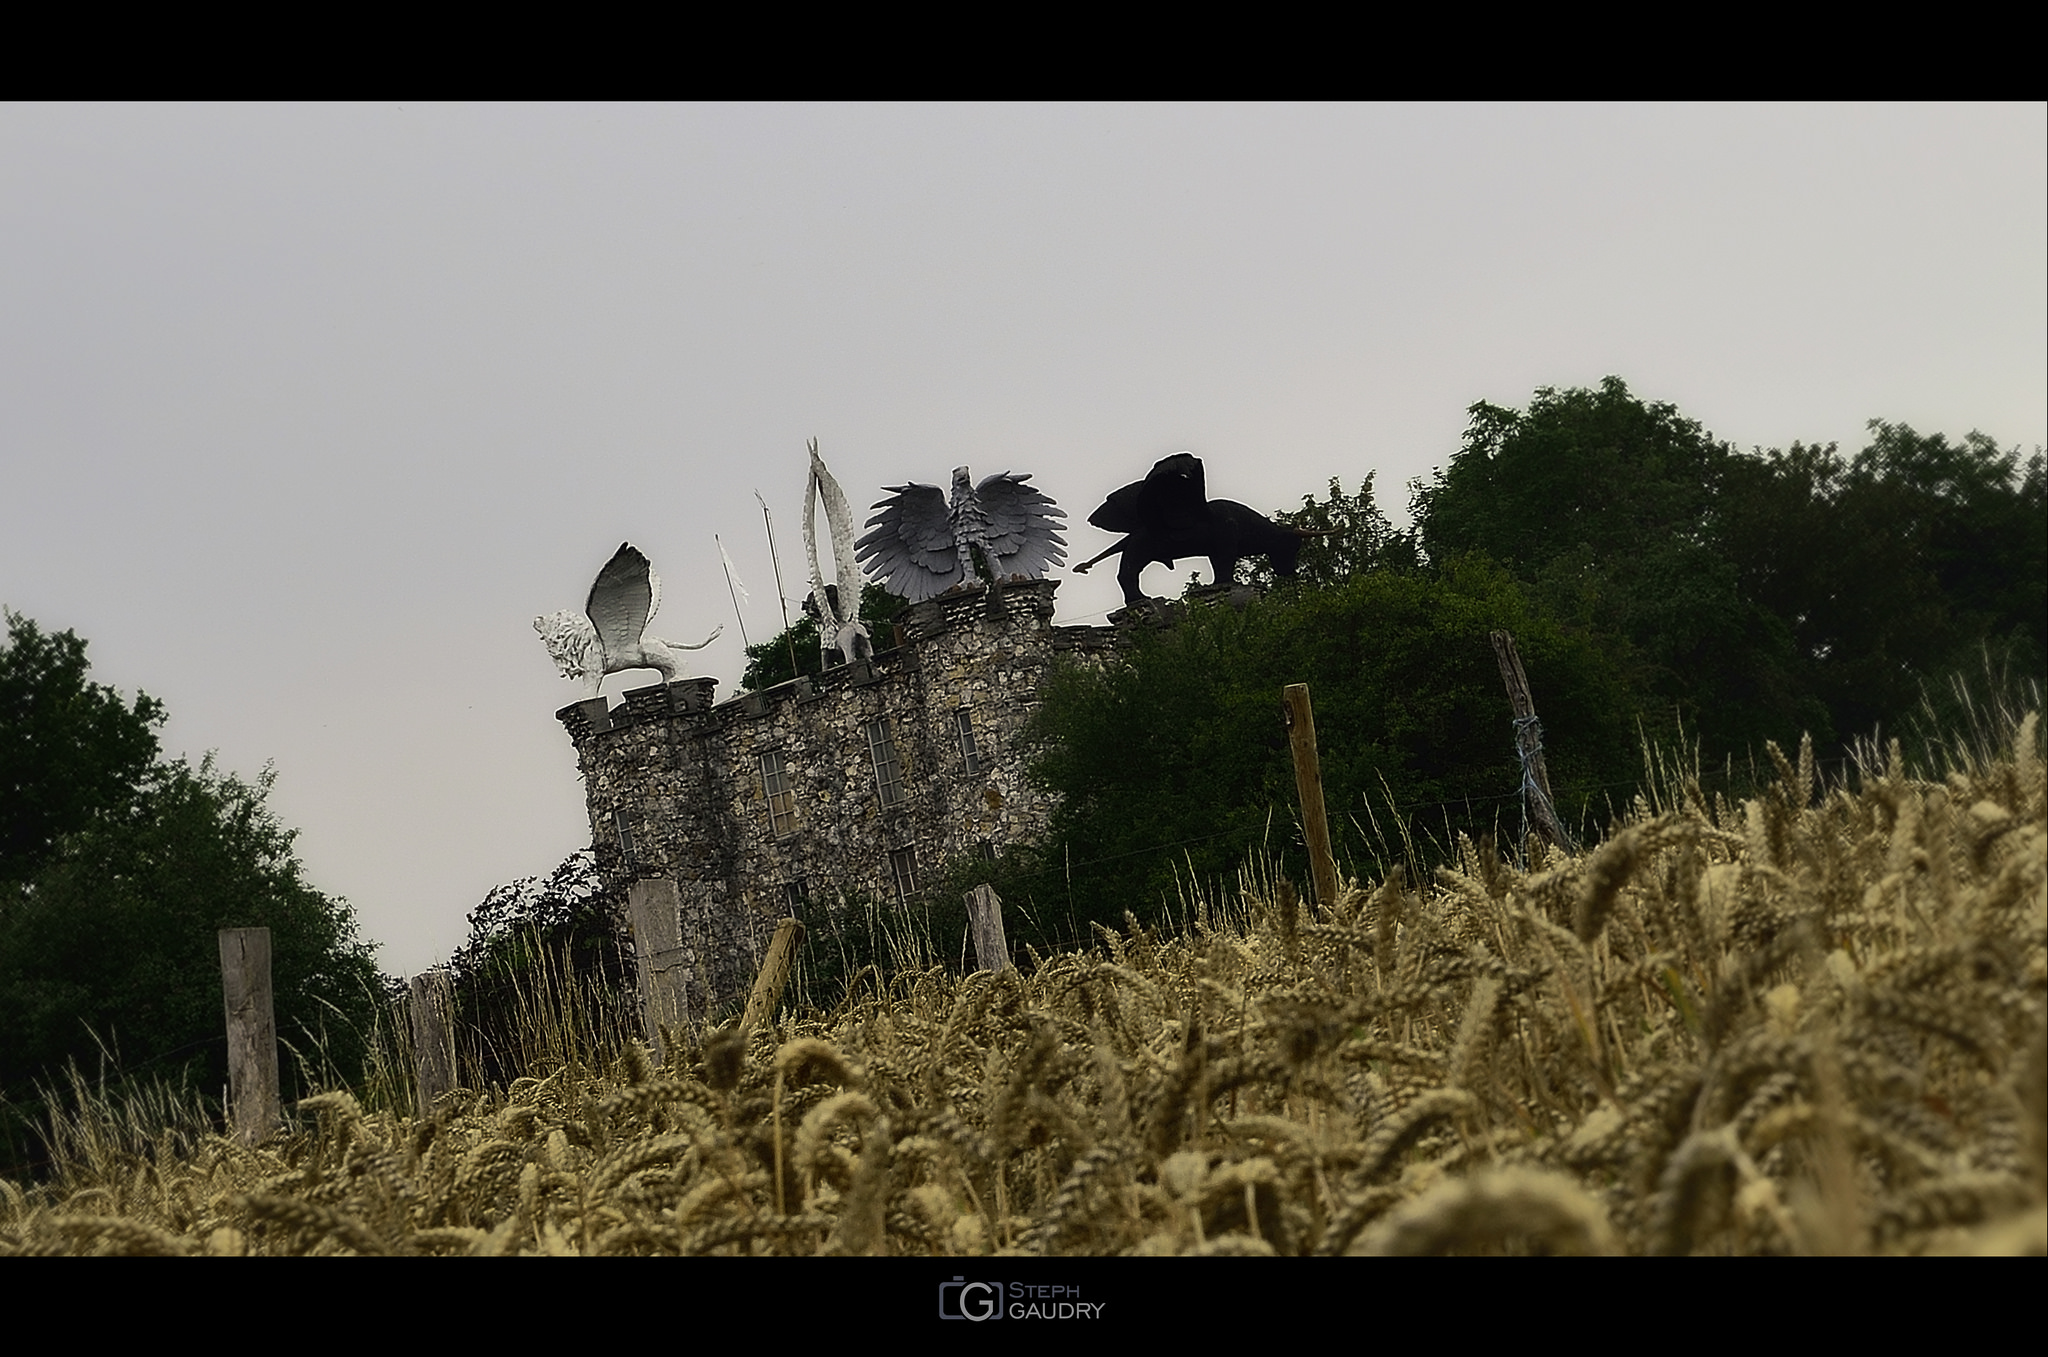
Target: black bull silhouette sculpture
[{"x": 1169, "y": 515}]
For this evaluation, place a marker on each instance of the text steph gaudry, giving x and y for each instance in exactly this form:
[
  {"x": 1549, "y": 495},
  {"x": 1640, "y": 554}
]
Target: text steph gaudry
[{"x": 1028, "y": 1301}]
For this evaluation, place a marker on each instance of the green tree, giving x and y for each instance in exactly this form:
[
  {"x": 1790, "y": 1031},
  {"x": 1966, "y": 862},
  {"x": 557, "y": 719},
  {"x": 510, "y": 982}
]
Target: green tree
[
  {"x": 1760, "y": 596},
  {"x": 1610, "y": 509},
  {"x": 1353, "y": 536},
  {"x": 537, "y": 936},
  {"x": 1892, "y": 568},
  {"x": 1581, "y": 472},
  {"x": 1175, "y": 761},
  {"x": 1979, "y": 523},
  {"x": 768, "y": 662},
  {"x": 70, "y": 750},
  {"x": 108, "y": 946}
]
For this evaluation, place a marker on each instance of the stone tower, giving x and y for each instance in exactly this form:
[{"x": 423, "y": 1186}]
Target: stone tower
[{"x": 854, "y": 784}]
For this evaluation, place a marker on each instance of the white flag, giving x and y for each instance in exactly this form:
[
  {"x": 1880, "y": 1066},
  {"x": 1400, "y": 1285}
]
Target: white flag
[{"x": 732, "y": 572}]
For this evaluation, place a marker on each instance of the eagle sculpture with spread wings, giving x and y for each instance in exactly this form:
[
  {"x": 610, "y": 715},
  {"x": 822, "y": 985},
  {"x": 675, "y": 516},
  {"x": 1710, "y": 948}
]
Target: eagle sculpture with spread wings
[
  {"x": 610, "y": 634},
  {"x": 921, "y": 545}
]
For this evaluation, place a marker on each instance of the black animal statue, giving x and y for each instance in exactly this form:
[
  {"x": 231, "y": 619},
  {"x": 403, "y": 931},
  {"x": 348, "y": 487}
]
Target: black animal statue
[{"x": 1169, "y": 515}]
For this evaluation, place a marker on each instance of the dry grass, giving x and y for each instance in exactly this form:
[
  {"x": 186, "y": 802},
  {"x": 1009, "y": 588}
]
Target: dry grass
[{"x": 1808, "y": 1023}]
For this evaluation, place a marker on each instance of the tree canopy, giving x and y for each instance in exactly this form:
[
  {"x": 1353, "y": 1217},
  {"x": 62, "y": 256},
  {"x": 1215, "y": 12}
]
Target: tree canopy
[
  {"x": 109, "y": 920},
  {"x": 1175, "y": 760},
  {"x": 1658, "y": 583},
  {"x": 1611, "y": 509},
  {"x": 70, "y": 750},
  {"x": 536, "y": 936},
  {"x": 1353, "y": 535},
  {"x": 1758, "y": 596},
  {"x": 769, "y": 662},
  {"x": 1889, "y": 568}
]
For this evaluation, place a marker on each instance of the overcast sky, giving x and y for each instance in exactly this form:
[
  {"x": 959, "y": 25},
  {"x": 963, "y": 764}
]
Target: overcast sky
[{"x": 305, "y": 413}]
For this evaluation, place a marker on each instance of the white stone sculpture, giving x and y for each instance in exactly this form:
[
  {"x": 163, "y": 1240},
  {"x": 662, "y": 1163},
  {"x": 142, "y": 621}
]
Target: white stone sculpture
[
  {"x": 922, "y": 546},
  {"x": 610, "y": 634},
  {"x": 840, "y": 630}
]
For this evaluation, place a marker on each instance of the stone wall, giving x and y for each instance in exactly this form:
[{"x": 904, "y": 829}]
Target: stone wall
[{"x": 678, "y": 785}]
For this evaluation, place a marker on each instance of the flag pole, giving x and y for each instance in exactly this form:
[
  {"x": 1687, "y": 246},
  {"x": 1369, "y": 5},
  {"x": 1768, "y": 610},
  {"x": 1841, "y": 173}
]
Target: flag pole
[
  {"x": 725, "y": 563},
  {"x": 769, "y": 525}
]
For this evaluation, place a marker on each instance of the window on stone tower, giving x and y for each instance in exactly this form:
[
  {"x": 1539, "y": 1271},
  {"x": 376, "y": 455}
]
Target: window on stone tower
[
  {"x": 970, "y": 753},
  {"x": 781, "y": 797},
  {"x": 888, "y": 768},
  {"x": 903, "y": 867},
  {"x": 626, "y": 850}
]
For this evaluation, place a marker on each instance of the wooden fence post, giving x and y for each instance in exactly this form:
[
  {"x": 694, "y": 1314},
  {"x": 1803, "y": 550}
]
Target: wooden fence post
[
  {"x": 1536, "y": 801},
  {"x": 252, "y": 1032},
  {"x": 774, "y": 974},
  {"x": 1308, "y": 785},
  {"x": 657, "y": 907},
  {"x": 433, "y": 1038},
  {"x": 985, "y": 920}
]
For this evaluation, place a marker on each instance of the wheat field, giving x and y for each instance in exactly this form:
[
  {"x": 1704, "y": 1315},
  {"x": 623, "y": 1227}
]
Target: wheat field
[{"x": 1805, "y": 1023}]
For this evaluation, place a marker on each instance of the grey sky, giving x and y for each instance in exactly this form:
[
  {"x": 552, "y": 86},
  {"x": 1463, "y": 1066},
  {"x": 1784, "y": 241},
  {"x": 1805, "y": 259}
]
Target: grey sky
[{"x": 305, "y": 413}]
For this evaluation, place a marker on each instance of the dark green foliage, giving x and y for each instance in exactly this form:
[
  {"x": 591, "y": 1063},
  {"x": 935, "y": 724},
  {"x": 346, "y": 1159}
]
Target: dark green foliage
[
  {"x": 1895, "y": 568},
  {"x": 852, "y": 944},
  {"x": 1354, "y": 537},
  {"x": 1760, "y": 596},
  {"x": 1657, "y": 583},
  {"x": 1038, "y": 911},
  {"x": 1176, "y": 762},
  {"x": 1581, "y": 473},
  {"x": 70, "y": 750},
  {"x": 533, "y": 936},
  {"x": 855, "y": 944},
  {"x": 569, "y": 905},
  {"x": 116, "y": 938},
  {"x": 768, "y": 663},
  {"x": 1611, "y": 511},
  {"x": 1966, "y": 718},
  {"x": 109, "y": 953}
]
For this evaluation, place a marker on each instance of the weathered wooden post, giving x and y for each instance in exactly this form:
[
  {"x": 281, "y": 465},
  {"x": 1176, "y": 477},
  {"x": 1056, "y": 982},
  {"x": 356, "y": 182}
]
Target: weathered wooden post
[
  {"x": 1308, "y": 785},
  {"x": 1536, "y": 802},
  {"x": 985, "y": 920},
  {"x": 774, "y": 974},
  {"x": 657, "y": 908},
  {"x": 433, "y": 1038},
  {"x": 252, "y": 1032}
]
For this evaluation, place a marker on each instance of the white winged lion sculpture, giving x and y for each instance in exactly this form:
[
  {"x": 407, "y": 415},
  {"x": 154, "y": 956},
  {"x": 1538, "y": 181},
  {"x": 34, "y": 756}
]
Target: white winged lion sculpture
[
  {"x": 921, "y": 545},
  {"x": 610, "y": 634}
]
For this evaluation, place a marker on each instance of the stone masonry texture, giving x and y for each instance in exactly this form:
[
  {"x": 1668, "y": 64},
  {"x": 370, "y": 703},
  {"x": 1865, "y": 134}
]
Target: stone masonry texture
[{"x": 675, "y": 783}]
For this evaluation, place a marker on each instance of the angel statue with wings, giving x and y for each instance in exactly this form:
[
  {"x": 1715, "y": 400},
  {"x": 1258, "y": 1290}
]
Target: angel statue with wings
[
  {"x": 922, "y": 545},
  {"x": 610, "y": 634}
]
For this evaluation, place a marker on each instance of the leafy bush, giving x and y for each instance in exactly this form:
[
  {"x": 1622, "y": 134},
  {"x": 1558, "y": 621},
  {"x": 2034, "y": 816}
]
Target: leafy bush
[
  {"x": 110, "y": 910},
  {"x": 1172, "y": 765}
]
